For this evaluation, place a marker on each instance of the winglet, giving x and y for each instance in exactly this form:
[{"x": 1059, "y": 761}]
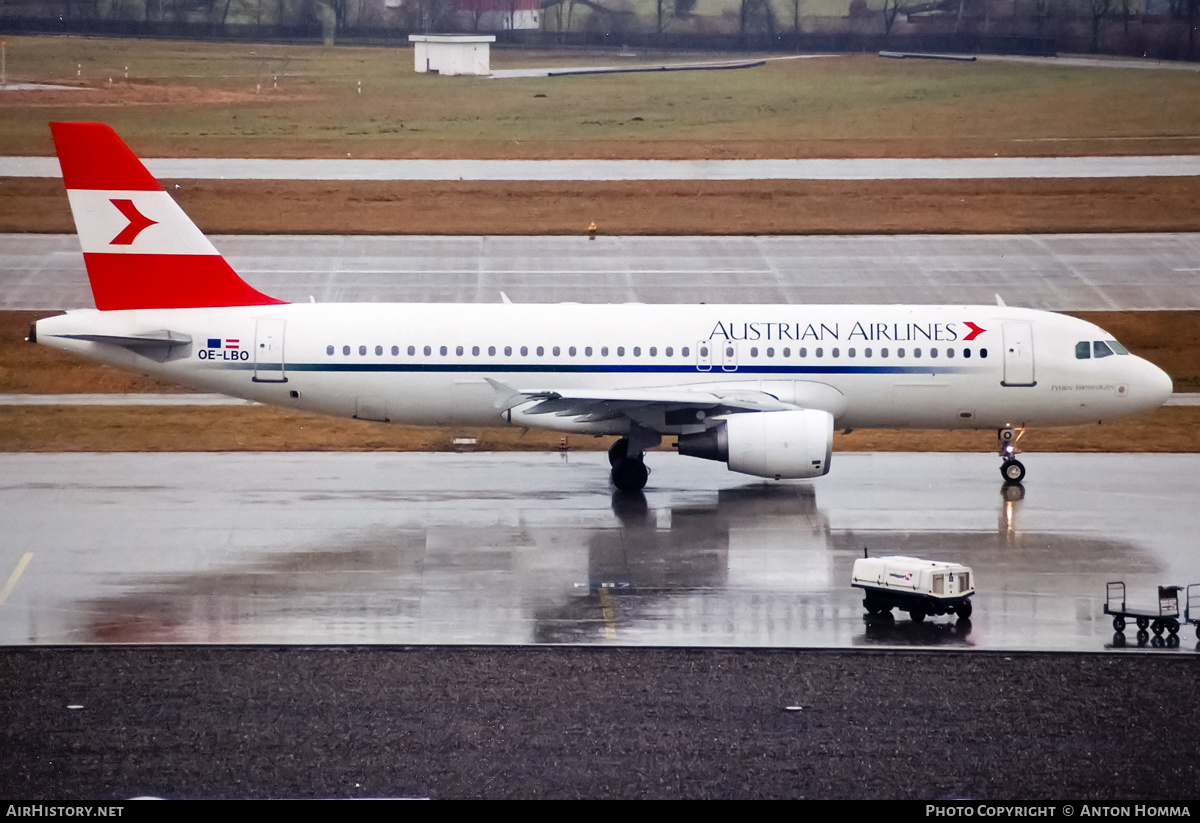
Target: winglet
[
  {"x": 1000, "y": 302},
  {"x": 141, "y": 251}
]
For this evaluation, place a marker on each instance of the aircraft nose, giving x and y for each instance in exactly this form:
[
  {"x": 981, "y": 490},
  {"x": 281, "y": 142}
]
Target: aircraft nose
[{"x": 1156, "y": 385}]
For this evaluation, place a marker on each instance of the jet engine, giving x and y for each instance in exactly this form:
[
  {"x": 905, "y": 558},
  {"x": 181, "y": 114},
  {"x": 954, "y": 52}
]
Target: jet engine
[{"x": 775, "y": 444}]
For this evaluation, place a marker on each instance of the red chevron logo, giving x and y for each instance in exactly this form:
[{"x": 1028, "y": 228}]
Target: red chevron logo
[
  {"x": 975, "y": 331},
  {"x": 138, "y": 223}
]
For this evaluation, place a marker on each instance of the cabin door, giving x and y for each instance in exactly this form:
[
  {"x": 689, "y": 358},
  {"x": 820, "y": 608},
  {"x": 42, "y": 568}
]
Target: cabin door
[
  {"x": 1018, "y": 354},
  {"x": 268, "y": 351}
]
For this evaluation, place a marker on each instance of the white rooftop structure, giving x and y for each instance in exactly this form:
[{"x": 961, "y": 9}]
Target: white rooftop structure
[{"x": 452, "y": 53}]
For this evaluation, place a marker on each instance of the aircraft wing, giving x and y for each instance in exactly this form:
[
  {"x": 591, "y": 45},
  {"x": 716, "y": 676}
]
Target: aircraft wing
[{"x": 661, "y": 409}]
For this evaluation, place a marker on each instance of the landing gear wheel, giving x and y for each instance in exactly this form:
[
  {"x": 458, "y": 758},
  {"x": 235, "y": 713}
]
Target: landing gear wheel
[
  {"x": 964, "y": 610},
  {"x": 916, "y": 615},
  {"x": 629, "y": 474},
  {"x": 618, "y": 451},
  {"x": 1013, "y": 471},
  {"x": 1143, "y": 623}
]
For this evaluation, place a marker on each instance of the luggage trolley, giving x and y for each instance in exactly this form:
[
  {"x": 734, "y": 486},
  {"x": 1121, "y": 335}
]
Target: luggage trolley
[
  {"x": 1191, "y": 613},
  {"x": 1166, "y": 619}
]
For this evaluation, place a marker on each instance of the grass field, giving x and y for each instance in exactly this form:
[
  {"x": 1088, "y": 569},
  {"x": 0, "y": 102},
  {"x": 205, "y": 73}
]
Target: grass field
[{"x": 199, "y": 99}]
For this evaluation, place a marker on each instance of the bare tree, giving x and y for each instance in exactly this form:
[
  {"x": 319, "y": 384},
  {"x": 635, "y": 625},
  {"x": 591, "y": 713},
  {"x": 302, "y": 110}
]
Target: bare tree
[
  {"x": 756, "y": 17},
  {"x": 1101, "y": 10}
]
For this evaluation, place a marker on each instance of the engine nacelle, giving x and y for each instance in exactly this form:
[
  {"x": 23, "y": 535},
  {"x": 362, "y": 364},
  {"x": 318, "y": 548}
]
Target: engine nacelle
[{"x": 774, "y": 444}]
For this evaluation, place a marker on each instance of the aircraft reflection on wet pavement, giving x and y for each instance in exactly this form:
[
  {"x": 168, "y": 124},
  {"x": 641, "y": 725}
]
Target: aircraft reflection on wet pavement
[{"x": 301, "y": 558}]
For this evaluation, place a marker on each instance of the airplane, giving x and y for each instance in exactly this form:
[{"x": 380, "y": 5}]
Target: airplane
[{"x": 759, "y": 387}]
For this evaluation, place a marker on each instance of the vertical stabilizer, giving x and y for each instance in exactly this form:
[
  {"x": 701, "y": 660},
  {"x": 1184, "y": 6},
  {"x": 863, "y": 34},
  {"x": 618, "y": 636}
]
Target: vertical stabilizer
[{"x": 140, "y": 249}]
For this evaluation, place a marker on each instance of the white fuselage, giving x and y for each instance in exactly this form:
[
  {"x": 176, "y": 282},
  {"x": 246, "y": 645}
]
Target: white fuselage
[{"x": 438, "y": 364}]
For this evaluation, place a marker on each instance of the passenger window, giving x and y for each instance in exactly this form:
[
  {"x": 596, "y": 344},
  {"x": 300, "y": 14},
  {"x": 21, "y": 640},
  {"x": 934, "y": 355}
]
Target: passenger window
[
  {"x": 508, "y": 351},
  {"x": 1101, "y": 349},
  {"x": 754, "y": 351},
  {"x": 850, "y": 353},
  {"x": 362, "y": 350},
  {"x": 653, "y": 351},
  {"x": 820, "y": 352},
  {"x": 949, "y": 352},
  {"x": 916, "y": 352},
  {"x": 637, "y": 351},
  {"x": 983, "y": 352},
  {"x": 883, "y": 352},
  {"x": 604, "y": 351},
  {"x": 684, "y": 351},
  {"x": 395, "y": 351},
  {"x": 670, "y": 351},
  {"x": 378, "y": 350},
  {"x": 966, "y": 352},
  {"x": 836, "y": 352},
  {"x": 555, "y": 351},
  {"x": 1083, "y": 350},
  {"x": 346, "y": 350},
  {"x": 524, "y": 351},
  {"x": 329, "y": 349},
  {"x": 412, "y": 350},
  {"x": 570, "y": 351},
  {"x": 866, "y": 352},
  {"x": 442, "y": 350},
  {"x": 803, "y": 352},
  {"x": 933, "y": 352},
  {"x": 587, "y": 351},
  {"x": 770, "y": 352},
  {"x": 899, "y": 352},
  {"x": 787, "y": 352},
  {"x": 474, "y": 351},
  {"x": 428, "y": 351},
  {"x": 491, "y": 351},
  {"x": 620, "y": 351}
]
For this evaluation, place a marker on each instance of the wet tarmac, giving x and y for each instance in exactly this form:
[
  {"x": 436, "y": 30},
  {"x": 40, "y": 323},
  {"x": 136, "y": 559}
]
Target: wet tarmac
[
  {"x": 1061, "y": 272},
  {"x": 519, "y": 549}
]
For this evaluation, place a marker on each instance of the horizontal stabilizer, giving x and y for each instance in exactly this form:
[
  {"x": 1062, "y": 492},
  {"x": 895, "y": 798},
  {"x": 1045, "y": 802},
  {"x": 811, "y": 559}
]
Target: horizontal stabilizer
[{"x": 157, "y": 345}]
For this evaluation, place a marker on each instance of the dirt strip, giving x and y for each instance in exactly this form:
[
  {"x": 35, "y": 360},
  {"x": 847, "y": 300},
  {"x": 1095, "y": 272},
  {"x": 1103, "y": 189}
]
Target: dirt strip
[{"x": 653, "y": 207}]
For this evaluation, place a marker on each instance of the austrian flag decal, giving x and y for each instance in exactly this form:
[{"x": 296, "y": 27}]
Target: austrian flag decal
[{"x": 226, "y": 343}]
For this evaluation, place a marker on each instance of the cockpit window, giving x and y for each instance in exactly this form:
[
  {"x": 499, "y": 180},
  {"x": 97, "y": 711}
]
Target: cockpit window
[
  {"x": 1101, "y": 349},
  {"x": 1117, "y": 347},
  {"x": 1083, "y": 350}
]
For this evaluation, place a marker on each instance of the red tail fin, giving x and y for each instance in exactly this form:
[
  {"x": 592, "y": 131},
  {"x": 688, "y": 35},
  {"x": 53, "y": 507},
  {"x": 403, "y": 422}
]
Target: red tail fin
[{"x": 140, "y": 249}]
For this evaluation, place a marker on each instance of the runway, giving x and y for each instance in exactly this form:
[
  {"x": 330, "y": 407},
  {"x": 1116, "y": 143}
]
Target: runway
[
  {"x": 1056, "y": 272},
  {"x": 874, "y": 168},
  {"x": 537, "y": 549}
]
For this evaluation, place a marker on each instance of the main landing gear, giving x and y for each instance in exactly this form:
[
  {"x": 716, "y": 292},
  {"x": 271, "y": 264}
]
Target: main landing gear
[
  {"x": 1011, "y": 469},
  {"x": 628, "y": 459}
]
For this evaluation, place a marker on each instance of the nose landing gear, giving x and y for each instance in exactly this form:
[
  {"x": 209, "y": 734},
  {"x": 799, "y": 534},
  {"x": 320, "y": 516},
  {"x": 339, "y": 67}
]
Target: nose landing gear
[{"x": 1011, "y": 469}]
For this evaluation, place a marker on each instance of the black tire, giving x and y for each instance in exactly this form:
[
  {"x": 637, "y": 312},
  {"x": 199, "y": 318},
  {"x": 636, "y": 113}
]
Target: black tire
[
  {"x": 1157, "y": 627},
  {"x": 916, "y": 614},
  {"x": 964, "y": 610},
  {"x": 1143, "y": 623},
  {"x": 617, "y": 451},
  {"x": 1172, "y": 627},
  {"x": 630, "y": 475},
  {"x": 1013, "y": 471},
  {"x": 1119, "y": 623}
]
